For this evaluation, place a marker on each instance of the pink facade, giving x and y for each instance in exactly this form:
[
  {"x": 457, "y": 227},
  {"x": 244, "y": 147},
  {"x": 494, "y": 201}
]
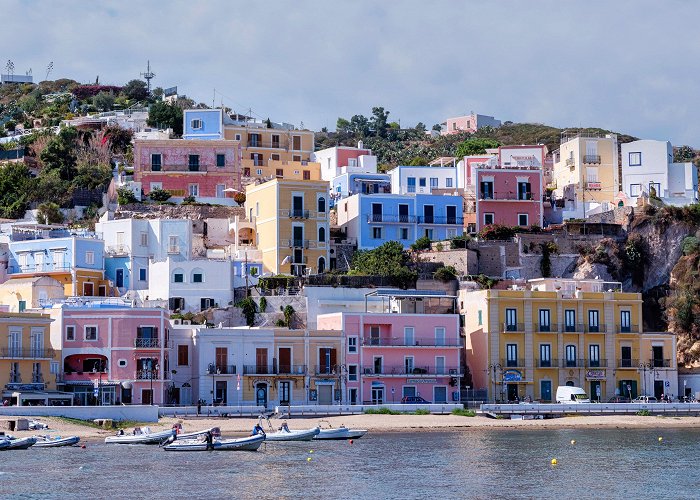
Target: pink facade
[
  {"x": 200, "y": 168},
  {"x": 345, "y": 154},
  {"x": 399, "y": 355},
  {"x": 460, "y": 124},
  {"x": 124, "y": 349}
]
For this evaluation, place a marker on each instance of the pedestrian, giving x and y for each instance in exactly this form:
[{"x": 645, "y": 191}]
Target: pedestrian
[{"x": 199, "y": 407}]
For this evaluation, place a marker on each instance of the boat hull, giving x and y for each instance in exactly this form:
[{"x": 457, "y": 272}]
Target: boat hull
[
  {"x": 340, "y": 433},
  {"x": 56, "y": 443},
  {"x": 21, "y": 443},
  {"x": 148, "y": 438},
  {"x": 302, "y": 435},
  {"x": 187, "y": 445},
  {"x": 250, "y": 443}
]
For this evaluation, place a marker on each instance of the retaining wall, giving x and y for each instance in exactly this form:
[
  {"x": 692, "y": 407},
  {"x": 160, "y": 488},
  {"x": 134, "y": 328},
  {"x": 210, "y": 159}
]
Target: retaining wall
[{"x": 138, "y": 413}]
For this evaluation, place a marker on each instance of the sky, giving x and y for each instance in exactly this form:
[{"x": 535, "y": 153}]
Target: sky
[{"x": 626, "y": 65}]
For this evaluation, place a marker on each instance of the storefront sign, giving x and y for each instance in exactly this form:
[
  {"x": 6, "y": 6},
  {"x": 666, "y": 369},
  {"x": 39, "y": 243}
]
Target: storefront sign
[
  {"x": 421, "y": 381},
  {"x": 512, "y": 376},
  {"x": 595, "y": 375},
  {"x": 13, "y": 386}
]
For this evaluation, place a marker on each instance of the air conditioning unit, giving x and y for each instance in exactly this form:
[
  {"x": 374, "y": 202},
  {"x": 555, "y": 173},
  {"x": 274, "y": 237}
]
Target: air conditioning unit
[
  {"x": 177, "y": 321},
  {"x": 453, "y": 371},
  {"x": 186, "y": 322},
  {"x": 368, "y": 371}
]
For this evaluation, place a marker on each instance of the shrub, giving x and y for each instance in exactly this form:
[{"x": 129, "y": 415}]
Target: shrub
[
  {"x": 125, "y": 196},
  {"x": 263, "y": 304},
  {"x": 288, "y": 315},
  {"x": 248, "y": 308},
  {"x": 188, "y": 200},
  {"x": 460, "y": 241},
  {"x": 439, "y": 247},
  {"x": 545, "y": 262},
  {"x": 49, "y": 213},
  {"x": 422, "y": 243},
  {"x": 497, "y": 232},
  {"x": 421, "y": 411},
  {"x": 239, "y": 198},
  {"x": 691, "y": 245},
  {"x": 381, "y": 411},
  {"x": 160, "y": 195},
  {"x": 445, "y": 274},
  {"x": 464, "y": 413},
  {"x": 643, "y": 413}
]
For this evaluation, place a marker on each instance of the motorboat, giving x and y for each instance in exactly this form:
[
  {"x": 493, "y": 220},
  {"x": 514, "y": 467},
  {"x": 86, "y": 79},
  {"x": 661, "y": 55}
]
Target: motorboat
[
  {"x": 55, "y": 441},
  {"x": 342, "y": 432},
  {"x": 14, "y": 443},
  {"x": 249, "y": 443},
  {"x": 179, "y": 435},
  {"x": 141, "y": 436},
  {"x": 189, "y": 445},
  {"x": 287, "y": 434}
]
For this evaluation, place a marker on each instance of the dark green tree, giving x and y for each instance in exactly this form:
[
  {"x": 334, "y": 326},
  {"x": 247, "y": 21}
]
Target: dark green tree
[
  {"x": 15, "y": 186},
  {"x": 475, "y": 146},
  {"x": 136, "y": 90},
  {"x": 359, "y": 126},
  {"x": 379, "y": 121},
  {"x": 164, "y": 115},
  {"x": 104, "y": 101},
  {"x": 119, "y": 138},
  {"x": 60, "y": 154},
  {"x": 342, "y": 126},
  {"x": 49, "y": 213}
]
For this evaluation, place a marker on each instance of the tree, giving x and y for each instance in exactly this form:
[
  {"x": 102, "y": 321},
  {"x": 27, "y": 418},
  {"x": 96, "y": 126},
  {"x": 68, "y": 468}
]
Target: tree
[
  {"x": 92, "y": 176},
  {"x": 125, "y": 196},
  {"x": 379, "y": 121},
  {"x": 418, "y": 161},
  {"x": 359, "y": 126},
  {"x": 387, "y": 260},
  {"x": 104, "y": 101},
  {"x": 159, "y": 195},
  {"x": 683, "y": 154},
  {"x": 60, "y": 153},
  {"x": 342, "y": 126},
  {"x": 420, "y": 127},
  {"x": 15, "y": 186},
  {"x": 475, "y": 146},
  {"x": 119, "y": 138},
  {"x": 437, "y": 127},
  {"x": 239, "y": 198},
  {"x": 248, "y": 308},
  {"x": 49, "y": 213},
  {"x": 445, "y": 274},
  {"x": 136, "y": 90},
  {"x": 164, "y": 115},
  {"x": 422, "y": 243}
]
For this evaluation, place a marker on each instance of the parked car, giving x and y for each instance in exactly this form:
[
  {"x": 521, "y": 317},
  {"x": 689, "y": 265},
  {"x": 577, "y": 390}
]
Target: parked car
[
  {"x": 645, "y": 399},
  {"x": 618, "y": 399},
  {"x": 414, "y": 400}
]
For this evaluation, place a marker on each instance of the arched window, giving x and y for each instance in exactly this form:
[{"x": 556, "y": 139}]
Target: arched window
[
  {"x": 321, "y": 234},
  {"x": 321, "y": 265},
  {"x": 322, "y": 205}
]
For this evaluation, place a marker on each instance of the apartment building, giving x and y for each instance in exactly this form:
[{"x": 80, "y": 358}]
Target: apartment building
[
  {"x": 340, "y": 160},
  {"x": 426, "y": 179},
  {"x": 468, "y": 124}
]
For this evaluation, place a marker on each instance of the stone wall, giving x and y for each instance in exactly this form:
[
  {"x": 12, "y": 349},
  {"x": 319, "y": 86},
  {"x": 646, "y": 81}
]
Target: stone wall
[
  {"x": 463, "y": 260},
  {"x": 192, "y": 212}
]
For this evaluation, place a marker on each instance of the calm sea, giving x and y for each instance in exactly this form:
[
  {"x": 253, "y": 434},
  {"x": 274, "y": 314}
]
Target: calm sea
[{"x": 477, "y": 463}]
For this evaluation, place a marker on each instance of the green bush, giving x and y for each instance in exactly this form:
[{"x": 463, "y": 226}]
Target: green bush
[
  {"x": 263, "y": 304},
  {"x": 464, "y": 413},
  {"x": 188, "y": 200},
  {"x": 445, "y": 274},
  {"x": 160, "y": 195},
  {"x": 421, "y": 411},
  {"x": 643, "y": 413},
  {"x": 248, "y": 308},
  {"x": 125, "y": 196},
  {"x": 497, "y": 232},
  {"x": 460, "y": 241},
  {"x": 422, "y": 243},
  {"x": 691, "y": 245},
  {"x": 382, "y": 411}
]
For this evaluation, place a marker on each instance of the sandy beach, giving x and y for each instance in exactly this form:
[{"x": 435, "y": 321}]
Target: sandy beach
[{"x": 384, "y": 423}]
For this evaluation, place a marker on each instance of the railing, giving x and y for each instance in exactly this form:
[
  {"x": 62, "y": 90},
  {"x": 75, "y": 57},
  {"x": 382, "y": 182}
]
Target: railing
[
  {"x": 596, "y": 363},
  {"x": 408, "y": 219},
  {"x": 274, "y": 370},
  {"x": 184, "y": 167},
  {"x": 15, "y": 378},
  {"x": 660, "y": 363},
  {"x": 572, "y": 363},
  {"x": 46, "y": 267},
  {"x": 146, "y": 374},
  {"x": 301, "y": 214},
  {"x": 327, "y": 370},
  {"x": 628, "y": 329},
  {"x": 258, "y": 370},
  {"x": 547, "y": 363},
  {"x": 595, "y": 329},
  {"x": 12, "y": 353},
  {"x": 295, "y": 243},
  {"x": 576, "y": 328},
  {"x": 266, "y": 144},
  {"x": 214, "y": 369},
  {"x": 591, "y": 158},
  {"x": 507, "y": 195},
  {"x": 440, "y": 219},
  {"x": 37, "y": 378},
  {"x": 291, "y": 370},
  {"x": 628, "y": 363},
  {"x": 298, "y": 214},
  {"x": 299, "y": 260},
  {"x": 416, "y": 342},
  {"x": 173, "y": 249},
  {"x": 117, "y": 250},
  {"x": 513, "y": 363},
  {"x": 546, "y": 328},
  {"x": 513, "y": 327},
  {"x": 146, "y": 343},
  {"x": 413, "y": 370}
]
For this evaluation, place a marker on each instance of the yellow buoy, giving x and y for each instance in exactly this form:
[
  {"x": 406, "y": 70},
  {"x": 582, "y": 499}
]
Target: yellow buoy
[
  {"x": 573, "y": 441},
  {"x": 308, "y": 459},
  {"x": 311, "y": 451},
  {"x": 660, "y": 439},
  {"x": 554, "y": 461}
]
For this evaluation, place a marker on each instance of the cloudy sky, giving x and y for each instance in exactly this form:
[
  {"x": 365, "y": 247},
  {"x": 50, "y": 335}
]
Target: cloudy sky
[{"x": 625, "y": 65}]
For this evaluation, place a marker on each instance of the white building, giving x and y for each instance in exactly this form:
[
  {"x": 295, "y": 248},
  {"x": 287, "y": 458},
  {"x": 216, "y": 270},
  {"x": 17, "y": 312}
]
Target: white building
[
  {"x": 341, "y": 160},
  {"x": 425, "y": 179},
  {"x": 648, "y": 164}
]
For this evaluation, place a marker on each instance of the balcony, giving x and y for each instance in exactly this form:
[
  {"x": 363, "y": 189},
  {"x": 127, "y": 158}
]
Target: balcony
[
  {"x": 440, "y": 220},
  {"x": 546, "y": 328},
  {"x": 299, "y": 261},
  {"x": 146, "y": 374},
  {"x": 214, "y": 369},
  {"x": 628, "y": 363},
  {"x": 513, "y": 327},
  {"x": 386, "y": 218},
  {"x": 46, "y": 267},
  {"x": 274, "y": 370},
  {"x": 327, "y": 370},
  {"x": 628, "y": 329},
  {"x": 117, "y": 250},
  {"x": 508, "y": 196},
  {"x": 291, "y": 370},
  {"x": 591, "y": 159},
  {"x": 573, "y": 328},
  {"x": 596, "y": 363},
  {"x": 258, "y": 370},
  {"x": 402, "y": 342},
  {"x": 660, "y": 363},
  {"x": 595, "y": 328},
  {"x": 12, "y": 353},
  {"x": 513, "y": 363},
  {"x": 570, "y": 162},
  {"x": 37, "y": 378},
  {"x": 410, "y": 371},
  {"x": 572, "y": 363},
  {"x": 182, "y": 167},
  {"x": 299, "y": 214},
  {"x": 296, "y": 243},
  {"x": 147, "y": 343},
  {"x": 251, "y": 143},
  {"x": 173, "y": 249},
  {"x": 547, "y": 363}
]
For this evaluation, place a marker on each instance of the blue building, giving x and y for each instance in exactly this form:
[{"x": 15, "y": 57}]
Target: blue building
[
  {"x": 205, "y": 124},
  {"x": 349, "y": 184},
  {"x": 373, "y": 219}
]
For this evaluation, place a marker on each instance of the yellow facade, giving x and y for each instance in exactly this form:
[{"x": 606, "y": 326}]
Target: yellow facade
[
  {"x": 289, "y": 170},
  {"x": 527, "y": 342},
  {"x": 26, "y": 354},
  {"x": 587, "y": 169},
  {"x": 291, "y": 219},
  {"x": 30, "y": 293},
  {"x": 77, "y": 283}
]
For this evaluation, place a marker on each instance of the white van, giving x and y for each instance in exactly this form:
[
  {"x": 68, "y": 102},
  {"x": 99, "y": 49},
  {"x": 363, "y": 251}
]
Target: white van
[{"x": 570, "y": 394}]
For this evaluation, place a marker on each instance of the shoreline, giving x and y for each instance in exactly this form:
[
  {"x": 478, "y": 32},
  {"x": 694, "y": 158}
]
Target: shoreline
[{"x": 379, "y": 423}]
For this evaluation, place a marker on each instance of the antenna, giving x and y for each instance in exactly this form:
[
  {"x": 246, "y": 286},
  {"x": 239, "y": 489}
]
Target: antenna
[
  {"x": 148, "y": 75},
  {"x": 48, "y": 70}
]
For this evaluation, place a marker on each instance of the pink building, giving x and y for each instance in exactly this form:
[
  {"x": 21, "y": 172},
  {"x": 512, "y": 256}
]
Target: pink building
[
  {"x": 391, "y": 356},
  {"x": 509, "y": 187},
  {"x": 209, "y": 170},
  {"x": 340, "y": 160},
  {"x": 123, "y": 349},
  {"x": 469, "y": 123}
]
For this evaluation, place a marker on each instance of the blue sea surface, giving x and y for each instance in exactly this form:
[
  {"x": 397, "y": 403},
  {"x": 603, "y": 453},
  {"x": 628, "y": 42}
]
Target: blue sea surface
[{"x": 469, "y": 463}]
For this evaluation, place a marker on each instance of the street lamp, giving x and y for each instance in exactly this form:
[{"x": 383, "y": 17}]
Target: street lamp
[
  {"x": 154, "y": 371},
  {"x": 644, "y": 366},
  {"x": 495, "y": 367}
]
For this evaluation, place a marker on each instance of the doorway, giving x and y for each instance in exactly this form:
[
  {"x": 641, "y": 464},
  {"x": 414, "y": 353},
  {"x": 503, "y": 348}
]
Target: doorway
[
  {"x": 546, "y": 390},
  {"x": 126, "y": 396},
  {"x": 512, "y": 392},
  {"x": 285, "y": 390},
  {"x": 353, "y": 396},
  {"x": 261, "y": 395},
  {"x": 596, "y": 392},
  {"x": 377, "y": 395},
  {"x": 658, "y": 389},
  {"x": 120, "y": 278},
  {"x": 325, "y": 394},
  {"x": 220, "y": 392},
  {"x": 146, "y": 397}
]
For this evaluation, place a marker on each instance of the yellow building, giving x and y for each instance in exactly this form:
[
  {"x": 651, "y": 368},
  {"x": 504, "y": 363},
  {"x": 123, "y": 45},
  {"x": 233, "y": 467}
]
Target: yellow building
[
  {"x": 291, "y": 220},
  {"x": 26, "y": 354},
  {"x": 586, "y": 171},
  {"x": 289, "y": 170},
  {"x": 526, "y": 342},
  {"x": 30, "y": 293}
]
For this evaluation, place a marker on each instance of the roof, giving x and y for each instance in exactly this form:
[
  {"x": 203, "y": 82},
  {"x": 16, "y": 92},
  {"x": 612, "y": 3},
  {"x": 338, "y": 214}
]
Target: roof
[{"x": 395, "y": 292}]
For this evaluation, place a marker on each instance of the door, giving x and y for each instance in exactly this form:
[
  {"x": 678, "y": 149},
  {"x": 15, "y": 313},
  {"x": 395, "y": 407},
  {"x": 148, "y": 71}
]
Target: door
[
  {"x": 570, "y": 320},
  {"x": 626, "y": 357},
  {"x": 378, "y": 365},
  {"x": 285, "y": 360},
  {"x": 298, "y": 206},
  {"x": 428, "y": 214},
  {"x": 376, "y": 212},
  {"x": 408, "y": 392},
  {"x": 374, "y": 335},
  {"x": 571, "y": 356},
  {"x": 408, "y": 365},
  {"x": 451, "y": 214},
  {"x": 146, "y": 397},
  {"x": 439, "y": 394},
  {"x": 439, "y": 365},
  {"x": 658, "y": 389},
  {"x": 261, "y": 395},
  {"x": 36, "y": 344},
  {"x": 403, "y": 213},
  {"x": 439, "y": 336},
  {"x": 408, "y": 335},
  {"x": 88, "y": 289},
  {"x": 15, "y": 343},
  {"x": 126, "y": 396},
  {"x": 285, "y": 393},
  {"x": 512, "y": 392},
  {"x": 261, "y": 361},
  {"x": 628, "y": 388},
  {"x": 595, "y": 393},
  {"x": 353, "y": 396},
  {"x": 220, "y": 392},
  {"x": 325, "y": 394},
  {"x": 221, "y": 359},
  {"x": 377, "y": 395},
  {"x": 625, "y": 322},
  {"x": 546, "y": 390}
]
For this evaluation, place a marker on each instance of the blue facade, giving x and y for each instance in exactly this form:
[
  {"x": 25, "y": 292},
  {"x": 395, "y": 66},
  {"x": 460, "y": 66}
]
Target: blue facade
[
  {"x": 405, "y": 218},
  {"x": 359, "y": 183},
  {"x": 118, "y": 270},
  {"x": 55, "y": 254},
  {"x": 205, "y": 124}
]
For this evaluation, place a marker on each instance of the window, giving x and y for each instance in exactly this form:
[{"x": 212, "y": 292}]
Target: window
[
  {"x": 411, "y": 185},
  {"x": 511, "y": 355},
  {"x": 625, "y": 321},
  {"x": 142, "y": 274},
  {"x": 172, "y": 244},
  {"x": 545, "y": 355},
  {"x": 144, "y": 239},
  {"x": 178, "y": 278},
  {"x": 544, "y": 320},
  {"x": 183, "y": 355},
  {"x": 522, "y": 220},
  {"x": 196, "y": 124},
  {"x": 635, "y": 189},
  {"x": 238, "y": 137},
  {"x": 322, "y": 205},
  {"x": 296, "y": 143},
  {"x": 377, "y": 233},
  {"x": 220, "y": 160},
  {"x": 570, "y": 320},
  {"x": 511, "y": 320},
  {"x": 440, "y": 335},
  {"x": 571, "y": 356},
  {"x": 352, "y": 344},
  {"x": 279, "y": 172},
  {"x": 307, "y": 175},
  {"x": 448, "y": 182},
  {"x": 374, "y": 335},
  {"x": 70, "y": 333},
  {"x": 259, "y": 171},
  {"x": 433, "y": 183},
  {"x": 594, "y": 355},
  {"x": 428, "y": 233},
  {"x": 89, "y": 257},
  {"x": 197, "y": 278},
  {"x": 90, "y": 333},
  {"x": 257, "y": 159},
  {"x": 193, "y": 163},
  {"x": 156, "y": 162},
  {"x": 275, "y": 157},
  {"x": 352, "y": 373},
  {"x": 524, "y": 191},
  {"x": 220, "y": 190},
  {"x": 321, "y": 234},
  {"x": 275, "y": 140},
  {"x": 480, "y": 318},
  {"x": 488, "y": 219},
  {"x": 352, "y": 162},
  {"x": 635, "y": 159},
  {"x": 296, "y": 158},
  {"x": 654, "y": 189},
  {"x": 486, "y": 190},
  {"x": 193, "y": 190},
  {"x": 409, "y": 335},
  {"x": 206, "y": 303},
  {"x": 593, "y": 325},
  {"x": 403, "y": 233},
  {"x": 421, "y": 182},
  {"x": 122, "y": 363}
]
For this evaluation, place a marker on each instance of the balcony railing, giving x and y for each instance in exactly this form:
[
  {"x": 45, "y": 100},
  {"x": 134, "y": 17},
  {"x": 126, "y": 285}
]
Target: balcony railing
[
  {"x": 214, "y": 369},
  {"x": 591, "y": 158},
  {"x": 46, "y": 267},
  {"x": 291, "y": 370},
  {"x": 146, "y": 343},
  {"x": 628, "y": 329},
  {"x": 266, "y": 144},
  {"x": 258, "y": 370},
  {"x": 183, "y": 167},
  {"x": 660, "y": 363},
  {"x": 117, "y": 250},
  {"x": 513, "y": 327},
  {"x": 595, "y": 329},
  {"x": 407, "y": 219},
  {"x": 37, "y": 378},
  {"x": 628, "y": 363},
  {"x": 573, "y": 328},
  {"x": 298, "y": 261},
  {"x": 596, "y": 363},
  {"x": 12, "y": 353},
  {"x": 572, "y": 363},
  {"x": 299, "y": 214},
  {"x": 327, "y": 370},
  {"x": 173, "y": 249},
  {"x": 513, "y": 363},
  {"x": 547, "y": 363},
  {"x": 507, "y": 196},
  {"x": 417, "y": 342},
  {"x": 274, "y": 370},
  {"x": 411, "y": 370},
  {"x": 296, "y": 243},
  {"x": 548, "y": 328},
  {"x": 146, "y": 374},
  {"x": 440, "y": 219}
]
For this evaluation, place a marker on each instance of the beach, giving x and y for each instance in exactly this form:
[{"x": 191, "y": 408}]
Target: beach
[{"x": 378, "y": 423}]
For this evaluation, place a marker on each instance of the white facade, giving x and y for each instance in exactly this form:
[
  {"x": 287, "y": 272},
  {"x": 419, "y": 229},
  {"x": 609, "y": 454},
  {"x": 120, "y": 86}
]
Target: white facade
[
  {"x": 340, "y": 160},
  {"x": 649, "y": 163},
  {"x": 423, "y": 180}
]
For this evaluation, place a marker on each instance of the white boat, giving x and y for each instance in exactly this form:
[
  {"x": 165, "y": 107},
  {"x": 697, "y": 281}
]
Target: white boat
[
  {"x": 55, "y": 441},
  {"x": 250, "y": 443},
  {"x": 14, "y": 443},
  {"x": 215, "y": 431},
  {"x": 188, "y": 445},
  {"x": 341, "y": 432},
  {"x": 141, "y": 436},
  {"x": 287, "y": 434}
]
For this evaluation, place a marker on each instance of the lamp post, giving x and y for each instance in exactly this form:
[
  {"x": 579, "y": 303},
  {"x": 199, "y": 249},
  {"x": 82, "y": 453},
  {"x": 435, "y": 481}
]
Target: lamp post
[
  {"x": 644, "y": 366},
  {"x": 495, "y": 367},
  {"x": 154, "y": 371}
]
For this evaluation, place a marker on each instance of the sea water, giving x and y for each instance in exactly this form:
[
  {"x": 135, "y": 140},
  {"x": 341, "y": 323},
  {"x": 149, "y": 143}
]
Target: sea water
[{"x": 469, "y": 463}]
